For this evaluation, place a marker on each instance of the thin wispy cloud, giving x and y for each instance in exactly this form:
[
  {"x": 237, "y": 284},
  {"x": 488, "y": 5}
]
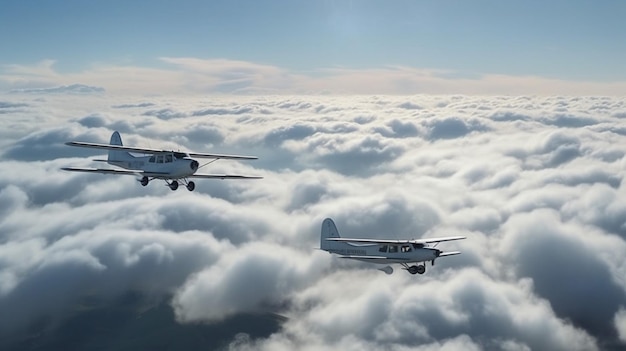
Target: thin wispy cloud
[{"x": 187, "y": 75}]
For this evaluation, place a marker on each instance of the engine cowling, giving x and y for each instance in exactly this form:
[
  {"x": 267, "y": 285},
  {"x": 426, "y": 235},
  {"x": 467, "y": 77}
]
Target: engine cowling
[{"x": 194, "y": 165}]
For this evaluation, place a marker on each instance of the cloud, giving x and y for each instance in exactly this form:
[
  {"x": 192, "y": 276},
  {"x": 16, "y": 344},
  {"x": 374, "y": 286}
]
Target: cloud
[
  {"x": 255, "y": 278},
  {"x": 295, "y": 132},
  {"x": 399, "y": 129},
  {"x": 427, "y": 315},
  {"x": 353, "y": 157},
  {"x": 450, "y": 128},
  {"x": 65, "y": 89},
  {"x": 190, "y": 75},
  {"x": 620, "y": 324},
  {"x": 534, "y": 183},
  {"x": 49, "y": 279},
  {"x": 11, "y": 105},
  {"x": 546, "y": 250}
]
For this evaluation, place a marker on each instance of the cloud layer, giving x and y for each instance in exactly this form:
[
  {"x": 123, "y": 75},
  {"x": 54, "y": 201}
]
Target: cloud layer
[
  {"x": 536, "y": 184},
  {"x": 189, "y": 75}
]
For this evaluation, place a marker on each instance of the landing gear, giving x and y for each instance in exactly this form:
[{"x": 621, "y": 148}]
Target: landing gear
[
  {"x": 144, "y": 181},
  {"x": 173, "y": 185},
  {"x": 415, "y": 269}
]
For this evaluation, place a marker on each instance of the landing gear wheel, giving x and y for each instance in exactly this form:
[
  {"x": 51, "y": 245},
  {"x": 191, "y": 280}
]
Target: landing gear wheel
[
  {"x": 421, "y": 269},
  {"x": 191, "y": 186},
  {"x": 412, "y": 269},
  {"x": 144, "y": 181},
  {"x": 173, "y": 185}
]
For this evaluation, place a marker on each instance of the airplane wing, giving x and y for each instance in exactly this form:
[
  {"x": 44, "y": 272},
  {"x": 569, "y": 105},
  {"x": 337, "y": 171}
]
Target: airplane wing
[
  {"x": 145, "y": 150},
  {"x": 449, "y": 253},
  {"x": 155, "y": 174},
  {"x": 221, "y": 156},
  {"x": 114, "y": 147},
  {"x": 436, "y": 240},
  {"x": 113, "y": 171},
  {"x": 223, "y": 176},
  {"x": 371, "y": 257},
  {"x": 100, "y": 170},
  {"x": 394, "y": 241}
]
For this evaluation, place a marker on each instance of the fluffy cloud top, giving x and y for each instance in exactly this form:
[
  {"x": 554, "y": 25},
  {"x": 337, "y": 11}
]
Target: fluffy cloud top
[{"x": 536, "y": 184}]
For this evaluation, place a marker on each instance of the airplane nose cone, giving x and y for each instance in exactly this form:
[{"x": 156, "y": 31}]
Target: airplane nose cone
[{"x": 194, "y": 165}]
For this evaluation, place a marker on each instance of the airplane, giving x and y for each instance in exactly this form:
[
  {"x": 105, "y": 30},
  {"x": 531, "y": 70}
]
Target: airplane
[
  {"x": 383, "y": 251},
  {"x": 170, "y": 166}
]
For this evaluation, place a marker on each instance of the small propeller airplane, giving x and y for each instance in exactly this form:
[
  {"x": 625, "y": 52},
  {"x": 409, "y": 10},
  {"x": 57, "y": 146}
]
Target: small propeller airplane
[
  {"x": 384, "y": 251},
  {"x": 170, "y": 166}
]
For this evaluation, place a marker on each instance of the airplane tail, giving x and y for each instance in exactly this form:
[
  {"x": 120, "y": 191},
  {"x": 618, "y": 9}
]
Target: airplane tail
[
  {"x": 116, "y": 155},
  {"x": 329, "y": 230}
]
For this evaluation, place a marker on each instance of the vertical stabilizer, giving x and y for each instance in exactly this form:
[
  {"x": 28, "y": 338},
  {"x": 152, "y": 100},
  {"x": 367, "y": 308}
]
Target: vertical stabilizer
[
  {"x": 329, "y": 230},
  {"x": 115, "y": 155}
]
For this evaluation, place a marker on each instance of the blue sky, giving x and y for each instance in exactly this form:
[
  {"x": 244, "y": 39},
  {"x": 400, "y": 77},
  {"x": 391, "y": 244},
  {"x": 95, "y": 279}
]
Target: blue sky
[{"x": 562, "y": 40}]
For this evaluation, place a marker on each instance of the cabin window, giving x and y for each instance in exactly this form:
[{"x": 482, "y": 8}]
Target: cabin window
[
  {"x": 393, "y": 248},
  {"x": 383, "y": 248},
  {"x": 168, "y": 158},
  {"x": 405, "y": 248},
  {"x": 152, "y": 159},
  {"x": 160, "y": 159}
]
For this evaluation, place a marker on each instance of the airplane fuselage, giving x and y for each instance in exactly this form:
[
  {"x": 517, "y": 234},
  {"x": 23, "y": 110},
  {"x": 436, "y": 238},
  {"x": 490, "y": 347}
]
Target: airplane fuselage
[
  {"x": 165, "y": 165},
  {"x": 385, "y": 254}
]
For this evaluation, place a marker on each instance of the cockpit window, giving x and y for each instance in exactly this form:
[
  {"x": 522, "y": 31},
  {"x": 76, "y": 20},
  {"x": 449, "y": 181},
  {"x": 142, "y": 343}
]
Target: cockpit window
[
  {"x": 393, "y": 248},
  {"x": 405, "y": 248},
  {"x": 168, "y": 158},
  {"x": 383, "y": 248},
  {"x": 152, "y": 159},
  {"x": 159, "y": 159}
]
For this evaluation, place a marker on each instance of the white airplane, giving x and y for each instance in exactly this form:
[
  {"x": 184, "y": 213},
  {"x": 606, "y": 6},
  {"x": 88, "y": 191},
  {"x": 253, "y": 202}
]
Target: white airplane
[
  {"x": 384, "y": 251},
  {"x": 170, "y": 166}
]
